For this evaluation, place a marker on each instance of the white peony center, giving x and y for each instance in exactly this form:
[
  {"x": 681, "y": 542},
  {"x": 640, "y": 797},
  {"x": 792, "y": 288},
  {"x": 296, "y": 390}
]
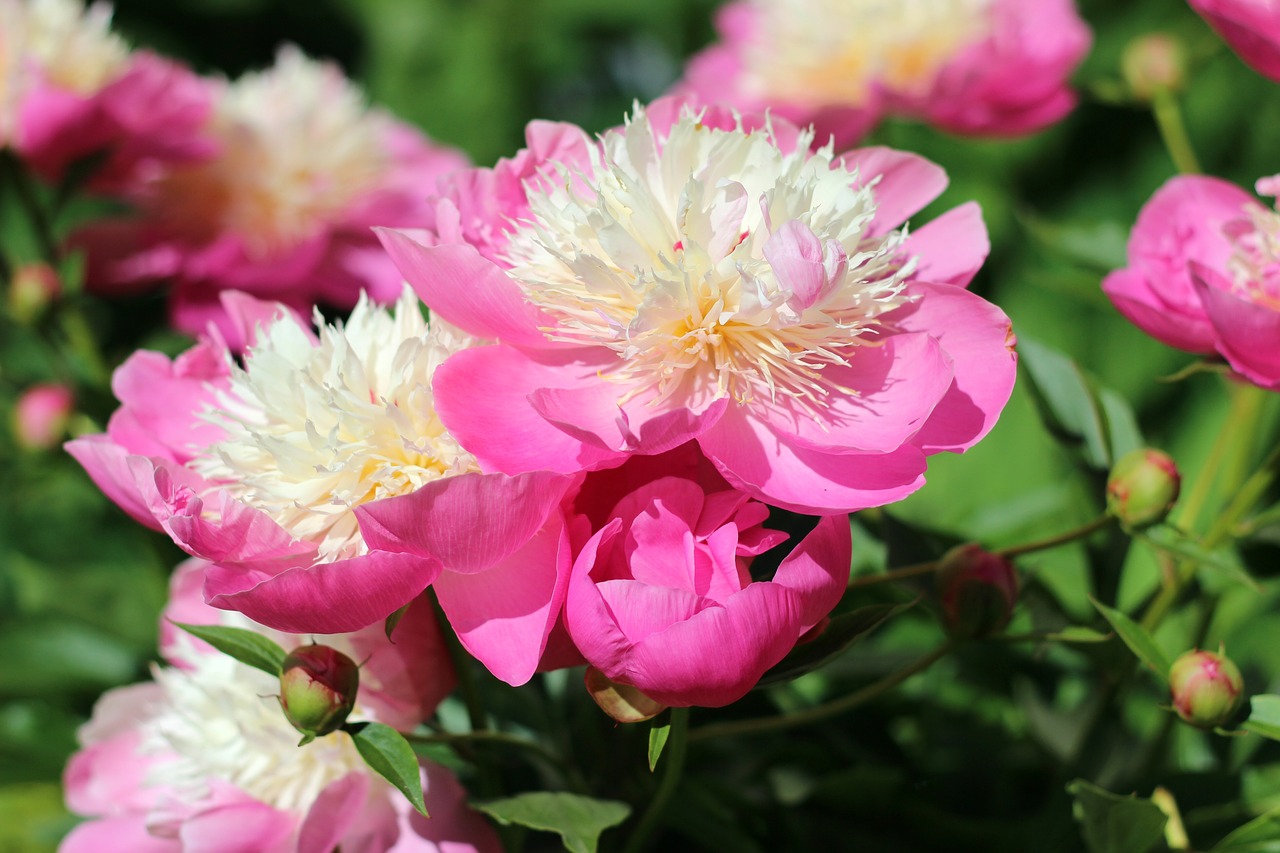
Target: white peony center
[
  {"x": 832, "y": 52},
  {"x": 316, "y": 429},
  {"x": 1254, "y": 265},
  {"x": 670, "y": 253},
  {"x": 299, "y": 146},
  {"x": 222, "y": 721}
]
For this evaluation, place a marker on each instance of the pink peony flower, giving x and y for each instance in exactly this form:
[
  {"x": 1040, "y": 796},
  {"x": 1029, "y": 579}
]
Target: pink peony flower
[
  {"x": 70, "y": 88},
  {"x": 1251, "y": 27},
  {"x": 204, "y": 759},
  {"x": 662, "y": 598},
  {"x": 303, "y": 169},
  {"x": 996, "y": 67},
  {"x": 706, "y": 278},
  {"x": 1204, "y": 274},
  {"x": 259, "y": 470}
]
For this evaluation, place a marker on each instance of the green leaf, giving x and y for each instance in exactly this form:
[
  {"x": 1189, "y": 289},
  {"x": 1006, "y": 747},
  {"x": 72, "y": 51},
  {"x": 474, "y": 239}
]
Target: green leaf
[
  {"x": 840, "y": 634},
  {"x": 1137, "y": 639},
  {"x": 1067, "y": 401},
  {"x": 1264, "y": 716},
  {"x": 246, "y": 646},
  {"x": 1171, "y": 540},
  {"x": 1260, "y": 835},
  {"x": 579, "y": 820},
  {"x": 386, "y": 751},
  {"x": 389, "y": 626},
  {"x": 657, "y": 740},
  {"x": 1078, "y": 634},
  {"x": 1114, "y": 824}
]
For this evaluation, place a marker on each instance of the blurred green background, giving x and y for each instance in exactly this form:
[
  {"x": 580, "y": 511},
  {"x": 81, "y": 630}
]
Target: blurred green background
[{"x": 974, "y": 756}]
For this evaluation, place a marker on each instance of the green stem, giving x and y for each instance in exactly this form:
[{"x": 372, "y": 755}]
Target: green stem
[
  {"x": 817, "y": 713},
  {"x": 894, "y": 575},
  {"x": 501, "y": 738},
  {"x": 1168, "y": 115},
  {"x": 1054, "y": 541},
  {"x": 673, "y": 767}
]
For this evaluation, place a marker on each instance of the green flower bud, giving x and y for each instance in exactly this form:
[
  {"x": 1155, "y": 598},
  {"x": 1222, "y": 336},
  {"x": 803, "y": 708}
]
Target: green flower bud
[
  {"x": 318, "y": 688},
  {"x": 1206, "y": 688},
  {"x": 1142, "y": 488},
  {"x": 31, "y": 290},
  {"x": 977, "y": 590},
  {"x": 1153, "y": 63}
]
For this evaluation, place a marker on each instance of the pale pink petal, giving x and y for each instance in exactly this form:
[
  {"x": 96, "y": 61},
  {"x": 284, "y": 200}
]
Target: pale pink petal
[
  {"x": 333, "y": 813},
  {"x": 404, "y": 680},
  {"x": 109, "y": 777},
  {"x": 243, "y": 827},
  {"x": 952, "y": 248},
  {"x": 795, "y": 254},
  {"x": 126, "y": 834},
  {"x": 907, "y": 182},
  {"x": 249, "y": 315}
]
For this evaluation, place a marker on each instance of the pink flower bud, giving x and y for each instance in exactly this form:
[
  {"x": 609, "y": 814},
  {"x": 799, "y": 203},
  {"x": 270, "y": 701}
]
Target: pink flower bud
[
  {"x": 40, "y": 416},
  {"x": 977, "y": 590},
  {"x": 1142, "y": 488},
  {"x": 1153, "y": 63},
  {"x": 1206, "y": 688},
  {"x": 33, "y": 288},
  {"x": 318, "y": 688}
]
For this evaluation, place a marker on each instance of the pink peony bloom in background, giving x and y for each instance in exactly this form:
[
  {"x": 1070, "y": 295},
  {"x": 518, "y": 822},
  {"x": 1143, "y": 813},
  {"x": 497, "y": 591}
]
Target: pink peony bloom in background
[
  {"x": 260, "y": 470},
  {"x": 1204, "y": 274},
  {"x": 204, "y": 759},
  {"x": 704, "y": 278},
  {"x": 70, "y": 88},
  {"x": 41, "y": 414},
  {"x": 986, "y": 67},
  {"x": 661, "y": 596},
  {"x": 303, "y": 168},
  {"x": 1251, "y": 27}
]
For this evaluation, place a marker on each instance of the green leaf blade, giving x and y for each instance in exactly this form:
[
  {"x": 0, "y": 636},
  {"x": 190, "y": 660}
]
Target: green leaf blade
[
  {"x": 657, "y": 740},
  {"x": 387, "y": 752},
  {"x": 578, "y": 820},
  {"x": 1139, "y": 641},
  {"x": 1264, "y": 716},
  {"x": 248, "y": 647},
  {"x": 1111, "y": 823}
]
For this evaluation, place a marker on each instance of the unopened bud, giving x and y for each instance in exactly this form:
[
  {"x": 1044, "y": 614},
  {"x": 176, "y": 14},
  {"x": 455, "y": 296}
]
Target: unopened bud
[
  {"x": 977, "y": 590},
  {"x": 1142, "y": 488},
  {"x": 1153, "y": 63},
  {"x": 318, "y": 688},
  {"x": 622, "y": 702},
  {"x": 41, "y": 415},
  {"x": 33, "y": 288},
  {"x": 1206, "y": 688}
]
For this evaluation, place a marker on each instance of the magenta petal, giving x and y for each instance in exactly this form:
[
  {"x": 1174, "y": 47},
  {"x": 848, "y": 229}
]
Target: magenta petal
[
  {"x": 468, "y": 522},
  {"x": 978, "y": 338},
  {"x": 640, "y": 609},
  {"x": 586, "y": 616},
  {"x": 333, "y": 813},
  {"x": 1248, "y": 333},
  {"x": 951, "y": 248},
  {"x": 107, "y": 464},
  {"x": 818, "y": 569},
  {"x": 1131, "y": 294},
  {"x": 327, "y": 598},
  {"x": 248, "y": 315},
  {"x": 592, "y": 414},
  {"x": 243, "y": 827},
  {"x": 504, "y": 614},
  {"x": 221, "y": 529},
  {"x": 482, "y": 395},
  {"x": 466, "y": 289},
  {"x": 768, "y": 466},
  {"x": 907, "y": 183}
]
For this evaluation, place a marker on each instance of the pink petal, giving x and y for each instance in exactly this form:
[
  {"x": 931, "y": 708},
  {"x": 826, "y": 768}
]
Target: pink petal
[
  {"x": 795, "y": 254},
  {"x": 592, "y": 414},
  {"x": 640, "y": 609},
  {"x": 504, "y": 614},
  {"x": 818, "y": 569},
  {"x": 245, "y": 827},
  {"x": 333, "y": 812},
  {"x": 1130, "y": 292},
  {"x": 907, "y": 183},
  {"x": 248, "y": 315},
  {"x": 951, "y": 248},
  {"x": 126, "y": 834},
  {"x": 1248, "y": 333},
  {"x": 467, "y": 290}
]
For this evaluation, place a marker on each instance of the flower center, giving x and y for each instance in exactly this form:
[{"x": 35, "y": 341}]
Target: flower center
[
  {"x": 712, "y": 263},
  {"x": 1254, "y": 265},
  {"x": 316, "y": 429},
  {"x": 297, "y": 146},
  {"x": 828, "y": 52},
  {"x": 223, "y": 721}
]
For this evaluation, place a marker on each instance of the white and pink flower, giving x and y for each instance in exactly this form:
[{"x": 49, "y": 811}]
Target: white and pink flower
[{"x": 696, "y": 276}]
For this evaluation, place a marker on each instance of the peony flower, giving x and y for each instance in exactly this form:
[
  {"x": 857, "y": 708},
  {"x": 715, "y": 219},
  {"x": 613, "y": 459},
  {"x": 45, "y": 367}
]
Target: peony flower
[
  {"x": 203, "y": 757},
  {"x": 707, "y": 278},
  {"x": 1251, "y": 27},
  {"x": 996, "y": 67},
  {"x": 303, "y": 169},
  {"x": 662, "y": 597},
  {"x": 1204, "y": 274},
  {"x": 70, "y": 88},
  {"x": 260, "y": 471}
]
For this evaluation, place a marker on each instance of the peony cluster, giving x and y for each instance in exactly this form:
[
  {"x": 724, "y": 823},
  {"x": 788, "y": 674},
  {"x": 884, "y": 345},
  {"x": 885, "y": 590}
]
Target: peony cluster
[{"x": 984, "y": 67}]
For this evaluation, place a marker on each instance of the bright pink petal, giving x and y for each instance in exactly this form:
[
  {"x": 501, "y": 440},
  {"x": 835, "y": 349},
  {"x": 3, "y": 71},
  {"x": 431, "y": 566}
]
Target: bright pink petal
[
  {"x": 1248, "y": 334},
  {"x": 907, "y": 183},
  {"x": 1130, "y": 292},
  {"x": 592, "y": 414},
  {"x": 467, "y": 290},
  {"x": 952, "y": 248},
  {"x": 640, "y": 609},
  {"x": 403, "y": 681},
  {"x": 1251, "y": 28},
  {"x": 504, "y": 614},
  {"x": 818, "y": 569},
  {"x": 333, "y": 813}
]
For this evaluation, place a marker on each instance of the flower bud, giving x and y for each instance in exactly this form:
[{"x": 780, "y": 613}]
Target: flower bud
[
  {"x": 977, "y": 590},
  {"x": 622, "y": 702},
  {"x": 32, "y": 289},
  {"x": 1142, "y": 488},
  {"x": 41, "y": 415},
  {"x": 1153, "y": 63},
  {"x": 1206, "y": 688},
  {"x": 318, "y": 687}
]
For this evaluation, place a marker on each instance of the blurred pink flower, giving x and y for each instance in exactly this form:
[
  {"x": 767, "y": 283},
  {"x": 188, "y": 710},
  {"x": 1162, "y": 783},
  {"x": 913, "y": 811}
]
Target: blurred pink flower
[
  {"x": 986, "y": 67},
  {"x": 1204, "y": 274},
  {"x": 203, "y": 758},
  {"x": 303, "y": 169},
  {"x": 700, "y": 276},
  {"x": 69, "y": 88},
  {"x": 661, "y": 597},
  {"x": 41, "y": 414},
  {"x": 1251, "y": 27}
]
